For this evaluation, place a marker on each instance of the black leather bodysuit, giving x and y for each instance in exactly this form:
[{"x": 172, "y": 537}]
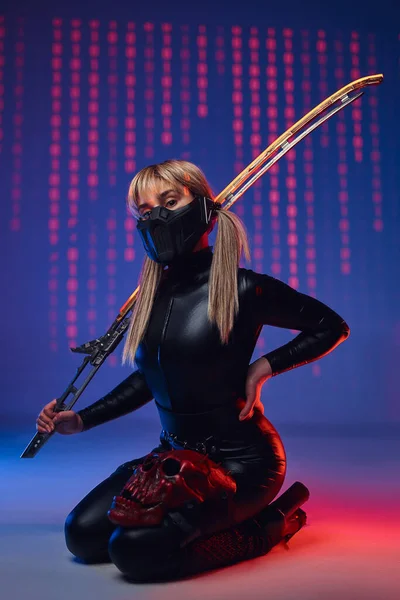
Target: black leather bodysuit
[
  {"x": 187, "y": 370},
  {"x": 198, "y": 384}
]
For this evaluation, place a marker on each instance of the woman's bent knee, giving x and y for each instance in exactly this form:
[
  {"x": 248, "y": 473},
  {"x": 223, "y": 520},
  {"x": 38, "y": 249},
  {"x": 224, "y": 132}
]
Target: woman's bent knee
[
  {"x": 145, "y": 554},
  {"x": 85, "y": 542}
]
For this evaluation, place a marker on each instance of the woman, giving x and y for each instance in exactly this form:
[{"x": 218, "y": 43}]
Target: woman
[{"x": 192, "y": 334}]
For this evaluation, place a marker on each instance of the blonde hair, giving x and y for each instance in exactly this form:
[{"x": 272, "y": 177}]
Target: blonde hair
[{"x": 231, "y": 241}]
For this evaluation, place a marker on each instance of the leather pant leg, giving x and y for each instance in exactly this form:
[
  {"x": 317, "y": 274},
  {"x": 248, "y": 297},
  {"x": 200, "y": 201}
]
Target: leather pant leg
[{"x": 87, "y": 527}]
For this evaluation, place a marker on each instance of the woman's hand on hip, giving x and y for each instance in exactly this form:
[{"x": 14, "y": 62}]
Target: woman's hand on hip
[{"x": 258, "y": 373}]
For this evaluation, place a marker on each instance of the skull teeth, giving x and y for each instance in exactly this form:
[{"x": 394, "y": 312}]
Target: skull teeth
[{"x": 129, "y": 504}]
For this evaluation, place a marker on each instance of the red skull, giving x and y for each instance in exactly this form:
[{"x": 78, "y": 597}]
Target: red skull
[{"x": 166, "y": 481}]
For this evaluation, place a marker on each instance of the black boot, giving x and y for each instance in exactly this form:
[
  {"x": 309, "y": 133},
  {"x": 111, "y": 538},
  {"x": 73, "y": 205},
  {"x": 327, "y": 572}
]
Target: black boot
[
  {"x": 278, "y": 521},
  {"x": 281, "y": 519}
]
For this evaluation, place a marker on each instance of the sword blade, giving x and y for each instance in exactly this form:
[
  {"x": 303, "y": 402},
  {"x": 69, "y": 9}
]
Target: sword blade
[{"x": 286, "y": 147}]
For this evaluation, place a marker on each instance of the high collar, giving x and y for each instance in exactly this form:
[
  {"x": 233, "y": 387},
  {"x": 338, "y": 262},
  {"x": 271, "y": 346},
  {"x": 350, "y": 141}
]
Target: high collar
[{"x": 190, "y": 264}]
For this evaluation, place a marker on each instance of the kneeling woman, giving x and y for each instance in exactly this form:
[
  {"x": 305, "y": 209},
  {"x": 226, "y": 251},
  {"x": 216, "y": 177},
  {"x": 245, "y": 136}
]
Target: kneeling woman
[{"x": 193, "y": 331}]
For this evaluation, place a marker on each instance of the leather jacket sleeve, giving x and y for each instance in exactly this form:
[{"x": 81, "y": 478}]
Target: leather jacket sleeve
[
  {"x": 127, "y": 396},
  {"x": 279, "y": 305}
]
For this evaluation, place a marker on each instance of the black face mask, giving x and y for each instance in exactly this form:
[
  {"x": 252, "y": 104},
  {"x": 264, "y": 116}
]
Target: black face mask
[{"x": 168, "y": 234}]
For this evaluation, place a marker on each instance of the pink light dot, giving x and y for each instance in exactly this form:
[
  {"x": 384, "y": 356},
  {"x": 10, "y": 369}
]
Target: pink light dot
[
  {"x": 237, "y": 125},
  {"x": 255, "y": 139},
  {"x": 378, "y": 225},
  {"x": 166, "y": 81},
  {"x": 92, "y": 180},
  {"x": 316, "y": 369},
  {"x": 345, "y": 253},
  {"x": 237, "y": 97},
  {"x": 91, "y": 285},
  {"x": 275, "y": 225},
  {"x": 54, "y": 179},
  {"x": 324, "y": 141},
  {"x": 73, "y": 165},
  {"x": 56, "y": 48},
  {"x": 72, "y": 331},
  {"x": 312, "y": 282},
  {"x": 53, "y": 316},
  {"x": 254, "y": 85},
  {"x": 255, "y": 112},
  {"x": 73, "y": 254},
  {"x": 130, "y": 165},
  {"x": 130, "y": 52},
  {"x": 130, "y": 80},
  {"x": 111, "y": 254},
  {"x": 291, "y": 183},
  {"x": 72, "y": 315},
  {"x": 274, "y": 196},
  {"x": 55, "y": 149},
  {"x": 93, "y": 107},
  {"x": 54, "y": 210},
  {"x": 129, "y": 224},
  {"x": 270, "y": 44},
  {"x": 54, "y": 224},
  {"x": 56, "y": 64},
  {"x": 288, "y": 85},
  {"x": 311, "y": 268},
  {"x": 93, "y": 150},
  {"x": 112, "y": 37},
  {"x": 202, "y": 110},
  {"x": 272, "y": 98},
  {"x": 129, "y": 254},
  {"x": 345, "y": 268},
  {"x": 257, "y": 210},
  {"x": 91, "y": 314},
  {"x": 275, "y": 268},
  {"x": 56, "y": 91},
  {"x": 72, "y": 284},
  {"x": 377, "y": 197},
  {"x": 73, "y": 195},
  {"x": 237, "y": 70},
  {"x": 274, "y": 210}
]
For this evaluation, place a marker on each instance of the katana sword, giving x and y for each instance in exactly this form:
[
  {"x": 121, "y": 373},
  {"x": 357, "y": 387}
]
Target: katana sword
[{"x": 99, "y": 349}]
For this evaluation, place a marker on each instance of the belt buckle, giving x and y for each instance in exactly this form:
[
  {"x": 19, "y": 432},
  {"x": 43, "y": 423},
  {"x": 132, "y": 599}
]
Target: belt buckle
[{"x": 201, "y": 447}]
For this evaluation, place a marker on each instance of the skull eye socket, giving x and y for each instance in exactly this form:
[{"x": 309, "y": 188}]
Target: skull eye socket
[
  {"x": 171, "y": 466},
  {"x": 146, "y": 466}
]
